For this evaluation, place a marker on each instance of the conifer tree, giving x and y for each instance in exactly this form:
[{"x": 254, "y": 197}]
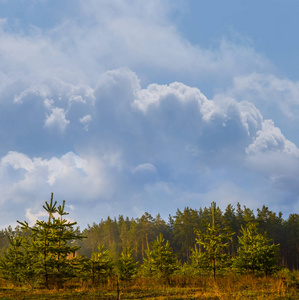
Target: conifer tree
[
  {"x": 212, "y": 242},
  {"x": 126, "y": 265},
  {"x": 160, "y": 261},
  {"x": 99, "y": 268},
  {"x": 49, "y": 244},
  {"x": 17, "y": 263},
  {"x": 12, "y": 263},
  {"x": 255, "y": 253},
  {"x": 184, "y": 225}
]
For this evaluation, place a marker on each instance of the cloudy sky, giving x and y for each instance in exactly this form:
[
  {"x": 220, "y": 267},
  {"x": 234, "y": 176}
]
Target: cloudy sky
[{"x": 127, "y": 106}]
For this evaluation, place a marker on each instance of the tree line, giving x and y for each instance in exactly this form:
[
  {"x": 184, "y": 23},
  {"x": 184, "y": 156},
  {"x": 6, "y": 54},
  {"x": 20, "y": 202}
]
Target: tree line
[
  {"x": 181, "y": 230},
  {"x": 193, "y": 242}
]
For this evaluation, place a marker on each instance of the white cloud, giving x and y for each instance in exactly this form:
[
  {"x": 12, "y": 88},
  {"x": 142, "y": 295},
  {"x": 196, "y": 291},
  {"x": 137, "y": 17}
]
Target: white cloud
[
  {"x": 270, "y": 139},
  {"x": 147, "y": 167},
  {"x": 85, "y": 121},
  {"x": 17, "y": 161},
  {"x": 32, "y": 217},
  {"x": 268, "y": 91},
  {"x": 154, "y": 94},
  {"x": 57, "y": 119},
  {"x": 272, "y": 155},
  {"x": 103, "y": 36},
  {"x": 69, "y": 176},
  {"x": 184, "y": 139}
]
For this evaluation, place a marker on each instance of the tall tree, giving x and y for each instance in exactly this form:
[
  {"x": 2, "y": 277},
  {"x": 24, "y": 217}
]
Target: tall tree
[
  {"x": 230, "y": 221},
  {"x": 184, "y": 226},
  {"x": 145, "y": 232},
  {"x": 291, "y": 242}
]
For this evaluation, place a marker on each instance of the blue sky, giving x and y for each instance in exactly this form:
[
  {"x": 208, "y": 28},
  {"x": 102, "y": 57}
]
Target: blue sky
[{"x": 122, "y": 107}]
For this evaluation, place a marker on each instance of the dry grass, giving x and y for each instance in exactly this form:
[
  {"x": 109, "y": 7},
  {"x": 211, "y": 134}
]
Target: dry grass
[{"x": 283, "y": 286}]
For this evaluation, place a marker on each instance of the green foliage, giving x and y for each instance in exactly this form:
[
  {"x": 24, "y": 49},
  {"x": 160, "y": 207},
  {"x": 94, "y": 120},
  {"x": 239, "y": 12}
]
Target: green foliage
[
  {"x": 210, "y": 255},
  {"x": 12, "y": 263},
  {"x": 255, "y": 253},
  {"x": 139, "y": 233},
  {"x": 99, "y": 268},
  {"x": 160, "y": 261},
  {"x": 46, "y": 254},
  {"x": 184, "y": 225},
  {"x": 291, "y": 242},
  {"x": 126, "y": 265},
  {"x": 49, "y": 246},
  {"x": 200, "y": 264}
]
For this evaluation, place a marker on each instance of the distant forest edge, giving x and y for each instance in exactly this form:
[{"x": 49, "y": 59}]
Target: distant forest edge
[
  {"x": 204, "y": 242},
  {"x": 181, "y": 230}
]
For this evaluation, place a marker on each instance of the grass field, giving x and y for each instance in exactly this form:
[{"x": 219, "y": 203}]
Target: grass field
[{"x": 283, "y": 286}]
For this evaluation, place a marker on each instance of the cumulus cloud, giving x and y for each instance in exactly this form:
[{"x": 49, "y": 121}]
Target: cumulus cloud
[
  {"x": 17, "y": 161},
  {"x": 275, "y": 96},
  {"x": 270, "y": 139},
  {"x": 24, "y": 178},
  {"x": 274, "y": 156},
  {"x": 67, "y": 169},
  {"x": 57, "y": 119},
  {"x": 158, "y": 141}
]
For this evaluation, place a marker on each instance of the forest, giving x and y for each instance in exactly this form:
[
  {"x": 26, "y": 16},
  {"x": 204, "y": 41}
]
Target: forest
[
  {"x": 117, "y": 254},
  {"x": 181, "y": 231}
]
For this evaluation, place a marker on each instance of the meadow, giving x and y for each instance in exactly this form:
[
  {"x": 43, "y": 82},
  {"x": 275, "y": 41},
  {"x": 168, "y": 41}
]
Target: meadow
[{"x": 284, "y": 285}]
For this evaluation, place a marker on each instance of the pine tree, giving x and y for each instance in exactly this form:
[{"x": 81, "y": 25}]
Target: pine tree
[
  {"x": 255, "y": 253},
  {"x": 161, "y": 261},
  {"x": 50, "y": 245},
  {"x": 212, "y": 243},
  {"x": 184, "y": 225},
  {"x": 12, "y": 263},
  {"x": 126, "y": 265},
  {"x": 99, "y": 268}
]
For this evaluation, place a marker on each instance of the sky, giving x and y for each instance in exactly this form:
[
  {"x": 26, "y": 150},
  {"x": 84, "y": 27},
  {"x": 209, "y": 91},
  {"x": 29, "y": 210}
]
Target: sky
[{"x": 122, "y": 107}]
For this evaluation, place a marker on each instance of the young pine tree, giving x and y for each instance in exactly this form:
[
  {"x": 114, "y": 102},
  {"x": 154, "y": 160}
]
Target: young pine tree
[
  {"x": 161, "y": 261},
  {"x": 12, "y": 264},
  {"x": 255, "y": 253},
  {"x": 210, "y": 254},
  {"x": 50, "y": 245},
  {"x": 100, "y": 267},
  {"x": 126, "y": 265}
]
